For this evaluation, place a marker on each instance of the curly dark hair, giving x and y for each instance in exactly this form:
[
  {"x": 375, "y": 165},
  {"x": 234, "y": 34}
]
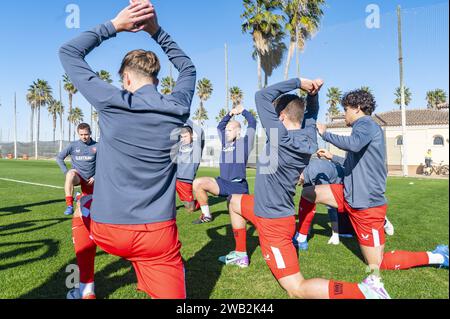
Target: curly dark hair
[{"x": 360, "y": 98}]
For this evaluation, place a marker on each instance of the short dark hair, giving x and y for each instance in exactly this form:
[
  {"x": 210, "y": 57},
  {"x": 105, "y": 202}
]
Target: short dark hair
[
  {"x": 143, "y": 62},
  {"x": 292, "y": 105},
  {"x": 186, "y": 129},
  {"x": 84, "y": 126},
  {"x": 360, "y": 98}
]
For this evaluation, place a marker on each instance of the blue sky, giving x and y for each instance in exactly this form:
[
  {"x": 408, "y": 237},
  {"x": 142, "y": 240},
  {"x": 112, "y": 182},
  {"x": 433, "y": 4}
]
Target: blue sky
[{"x": 345, "y": 53}]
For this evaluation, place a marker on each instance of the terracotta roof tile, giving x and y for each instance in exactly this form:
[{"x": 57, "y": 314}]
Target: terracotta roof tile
[{"x": 394, "y": 118}]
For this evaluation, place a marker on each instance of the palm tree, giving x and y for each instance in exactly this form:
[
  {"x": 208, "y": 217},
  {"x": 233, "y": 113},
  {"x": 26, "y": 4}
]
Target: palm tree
[
  {"x": 70, "y": 88},
  {"x": 204, "y": 91},
  {"x": 398, "y": 97},
  {"x": 366, "y": 89},
  {"x": 436, "y": 98},
  {"x": 201, "y": 115},
  {"x": 32, "y": 100},
  {"x": 263, "y": 24},
  {"x": 334, "y": 96},
  {"x": 39, "y": 95},
  {"x": 222, "y": 113},
  {"x": 54, "y": 109},
  {"x": 167, "y": 84},
  {"x": 273, "y": 58},
  {"x": 75, "y": 117},
  {"x": 303, "y": 20},
  {"x": 236, "y": 96}
]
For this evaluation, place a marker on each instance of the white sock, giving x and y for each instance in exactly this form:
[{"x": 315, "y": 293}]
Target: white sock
[
  {"x": 435, "y": 259},
  {"x": 87, "y": 289},
  {"x": 205, "y": 211},
  {"x": 302, "y": 238},
  {"x": 335, "y": 235}
]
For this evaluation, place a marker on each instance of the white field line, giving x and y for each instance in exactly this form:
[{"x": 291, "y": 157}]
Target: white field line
[{"x": 28, "y": 183}]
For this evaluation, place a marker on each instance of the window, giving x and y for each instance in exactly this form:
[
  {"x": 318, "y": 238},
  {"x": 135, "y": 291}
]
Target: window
[
  {"x": 399, "y": 141},
  {"x": 438, "y": 141}
]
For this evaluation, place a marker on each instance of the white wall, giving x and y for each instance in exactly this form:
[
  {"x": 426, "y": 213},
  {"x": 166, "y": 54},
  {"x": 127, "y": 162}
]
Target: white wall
[{"x": 420, "y": 139}]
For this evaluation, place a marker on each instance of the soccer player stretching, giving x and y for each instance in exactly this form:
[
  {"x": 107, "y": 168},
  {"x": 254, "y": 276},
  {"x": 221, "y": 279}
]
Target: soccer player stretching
[
  {"x": 362, "y": 195},
  {"x": 272, "y": 210},
  {"x": 324, "y": 172},
  {"x": 134, "y": 210},
  {"x": 189, "y": 158},
  {"x": 233, "y": 163},
  {"x": 83, "y": 154}
]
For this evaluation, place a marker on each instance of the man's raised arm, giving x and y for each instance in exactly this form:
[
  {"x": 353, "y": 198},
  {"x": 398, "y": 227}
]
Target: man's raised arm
[
  {"x": 72, "y": 55},
  {"x": 251, "y": 129}
]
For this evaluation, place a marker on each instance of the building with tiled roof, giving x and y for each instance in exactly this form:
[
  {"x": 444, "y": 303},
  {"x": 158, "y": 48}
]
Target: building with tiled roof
[{"x": 426, "y": 129}]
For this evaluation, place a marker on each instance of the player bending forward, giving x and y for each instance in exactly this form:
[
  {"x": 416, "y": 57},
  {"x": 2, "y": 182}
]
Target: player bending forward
[
  {"x": 362, "y": 194},
  {"x": 324, "y": 172}
]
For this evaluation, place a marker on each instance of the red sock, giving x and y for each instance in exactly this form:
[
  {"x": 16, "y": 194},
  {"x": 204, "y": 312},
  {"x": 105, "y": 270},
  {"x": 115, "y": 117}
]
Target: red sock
[
  {"x": 240, "y": 236},
  {"x": 69, "y": 201},
  {"x": 306, "y": 213},
  {"x": 402, "y": 260},
  {"x": 344, "y": 290},
  {"x": 197, "y": 206},
  {"x": 85, "y": 250}
]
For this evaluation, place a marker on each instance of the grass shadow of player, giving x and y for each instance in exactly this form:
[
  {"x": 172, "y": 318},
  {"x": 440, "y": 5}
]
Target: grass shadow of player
[
  {"x": 25, "y": 208},
  {"x": 106, "y": 281},
  {"x": 321, "y": 220},
  {"x": 26, "y": 248},
  {"x": 203, "y": 270},
  {"x": 27, "y": 224}
]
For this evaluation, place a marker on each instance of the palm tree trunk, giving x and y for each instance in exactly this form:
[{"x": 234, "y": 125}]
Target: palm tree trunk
[
  {"x": 289, "y": 59},
  {"x": 70, "y": 112},
  {"x": 266, "y": 80},
  {"x": 92, "y": 114},
  {"x": 32, "y": 125},
  {"x": 36, "y": 141},
  {"x": 54, "y": 128},
  {"x": 61, "y": 131},
  {"x": 259, "y": 71}
]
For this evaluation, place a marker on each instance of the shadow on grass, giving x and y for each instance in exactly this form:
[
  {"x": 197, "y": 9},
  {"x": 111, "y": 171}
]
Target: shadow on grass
[
  {"x": 25, "y": 248},
  {"x": 203, "y": 270},
  {"x": 106, "y": 281},
  {"x": 28, "y": 224},
  {"x": 345, "y": 227},
  {"x": 7, "y": 211}
]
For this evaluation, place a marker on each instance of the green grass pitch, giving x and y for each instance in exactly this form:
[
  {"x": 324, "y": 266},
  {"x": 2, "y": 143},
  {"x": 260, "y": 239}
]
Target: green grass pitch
[{"x": 36, "y": 245}]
